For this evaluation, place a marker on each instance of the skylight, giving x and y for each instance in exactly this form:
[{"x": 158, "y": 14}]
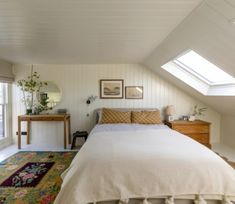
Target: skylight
[
  {"x": 201, "y": 74},
  {"x": 202, "y": 68}
]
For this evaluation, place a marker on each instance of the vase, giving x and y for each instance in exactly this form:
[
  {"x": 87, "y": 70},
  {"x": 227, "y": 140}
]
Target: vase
[
  {"x": 191, "y": 118},
  {"x": 29, "y": 111}
]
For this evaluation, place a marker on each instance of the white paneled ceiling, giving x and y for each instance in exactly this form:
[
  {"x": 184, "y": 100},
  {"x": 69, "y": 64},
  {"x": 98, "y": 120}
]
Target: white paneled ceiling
[{"x": 86, "y": 31}]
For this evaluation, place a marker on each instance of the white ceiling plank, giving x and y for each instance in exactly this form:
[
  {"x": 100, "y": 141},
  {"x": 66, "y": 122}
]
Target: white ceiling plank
[{"x": 86, "y": 31}]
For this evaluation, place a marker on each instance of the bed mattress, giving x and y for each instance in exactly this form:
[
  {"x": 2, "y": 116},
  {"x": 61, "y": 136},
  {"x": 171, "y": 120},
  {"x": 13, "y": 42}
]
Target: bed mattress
[{"x": 145, "y": 164}]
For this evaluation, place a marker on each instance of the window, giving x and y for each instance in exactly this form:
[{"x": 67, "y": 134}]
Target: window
[
  {"x": 203, "y": 69},
  {"x": 3, "y": 108},
  {"x": 201, "y": 74}
]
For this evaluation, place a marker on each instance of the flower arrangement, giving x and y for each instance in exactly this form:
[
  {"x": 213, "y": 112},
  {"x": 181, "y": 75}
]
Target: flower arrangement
[
  {"x": 198, "y": 111},
  {"x": 30, "y": 88}
]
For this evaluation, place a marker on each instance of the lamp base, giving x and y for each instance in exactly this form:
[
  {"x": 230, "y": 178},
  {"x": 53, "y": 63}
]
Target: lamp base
[{"x": 170, "y": 118}]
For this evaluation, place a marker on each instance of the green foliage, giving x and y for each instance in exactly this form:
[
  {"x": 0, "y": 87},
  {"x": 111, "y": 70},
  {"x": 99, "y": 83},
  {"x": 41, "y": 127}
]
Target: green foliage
[
  {"x": 31, "y": 84},
  {"x": 42, "y": 104},
  {"x": 198, "y": 111},
  {"x": 31, "y": 88}
]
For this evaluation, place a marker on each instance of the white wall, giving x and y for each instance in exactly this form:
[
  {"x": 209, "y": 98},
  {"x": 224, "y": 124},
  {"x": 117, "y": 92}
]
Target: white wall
[
  {"x": 228, "y": 130},
  {"x": 77, "y": 82}
]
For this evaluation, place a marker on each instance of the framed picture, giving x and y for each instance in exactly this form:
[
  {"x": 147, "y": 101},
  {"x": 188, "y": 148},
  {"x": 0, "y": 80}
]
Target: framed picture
[
  {"x": 134, "y": 92},
  {"x": 111, "y": 88},
  {"x": 185, "y": 117}
]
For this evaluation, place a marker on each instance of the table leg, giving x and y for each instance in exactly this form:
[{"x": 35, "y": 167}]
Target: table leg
[
  {"x": 19, "y": 133},
  {"x": 69, "y": 130},
  {"x": 65, "y": 133},
  {"x": 28, "y": 132}
]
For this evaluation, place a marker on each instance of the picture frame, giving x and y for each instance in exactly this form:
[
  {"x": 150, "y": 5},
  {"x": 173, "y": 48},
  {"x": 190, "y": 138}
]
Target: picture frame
[
  {"x": 185, "y": 117},
  {"x": 111, "y": 88},
  {"x": 134, "y": 92}
]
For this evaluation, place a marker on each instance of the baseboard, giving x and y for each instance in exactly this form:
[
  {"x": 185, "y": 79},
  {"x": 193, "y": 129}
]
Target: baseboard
[{"x": 5, "y": 143}]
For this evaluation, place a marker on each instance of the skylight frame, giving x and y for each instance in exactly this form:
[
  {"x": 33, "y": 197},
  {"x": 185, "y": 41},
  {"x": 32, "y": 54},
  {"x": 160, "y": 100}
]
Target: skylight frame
[
  {"x": 198, "y": 82},
  {"x": 198, "y": 75},
  {"x": 191, "y": 71}
]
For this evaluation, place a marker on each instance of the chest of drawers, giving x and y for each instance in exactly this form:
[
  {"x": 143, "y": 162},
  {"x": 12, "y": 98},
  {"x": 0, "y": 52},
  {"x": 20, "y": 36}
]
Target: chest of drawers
[{"x": 198, "y": 130}]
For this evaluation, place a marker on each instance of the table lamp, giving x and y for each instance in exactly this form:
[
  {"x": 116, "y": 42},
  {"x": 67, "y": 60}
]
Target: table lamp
[{"x": 170, "y": 112}]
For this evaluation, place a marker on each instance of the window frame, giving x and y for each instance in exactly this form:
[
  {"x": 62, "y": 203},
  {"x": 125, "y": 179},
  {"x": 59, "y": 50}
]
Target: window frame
[
  {"x": 195, "y": 81},
  {"x": 198, "y": 75},
  {"x": 5, "y": 112}
]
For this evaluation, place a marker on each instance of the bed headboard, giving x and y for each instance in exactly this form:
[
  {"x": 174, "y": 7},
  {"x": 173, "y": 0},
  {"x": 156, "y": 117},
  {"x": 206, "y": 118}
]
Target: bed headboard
[{"x": 98, "y": 111}]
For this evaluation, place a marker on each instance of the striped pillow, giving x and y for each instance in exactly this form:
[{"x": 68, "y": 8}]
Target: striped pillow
[
  {"x": 146, "y": 117},
  {"x": 114, "y": 116}
]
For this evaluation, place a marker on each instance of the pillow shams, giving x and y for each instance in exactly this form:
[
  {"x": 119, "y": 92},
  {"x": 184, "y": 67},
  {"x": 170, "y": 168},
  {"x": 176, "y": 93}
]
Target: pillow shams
[
  {"x": 146, "y": 117},
  {"x": 113, "y": 116}
]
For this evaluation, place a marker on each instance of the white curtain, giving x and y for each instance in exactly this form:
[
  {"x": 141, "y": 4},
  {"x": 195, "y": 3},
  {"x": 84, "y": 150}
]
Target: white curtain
[{"x": 3, "y": 94}]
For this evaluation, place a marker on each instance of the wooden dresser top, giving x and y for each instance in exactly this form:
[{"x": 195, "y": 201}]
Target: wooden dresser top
[{"x": 184, "y": 122}]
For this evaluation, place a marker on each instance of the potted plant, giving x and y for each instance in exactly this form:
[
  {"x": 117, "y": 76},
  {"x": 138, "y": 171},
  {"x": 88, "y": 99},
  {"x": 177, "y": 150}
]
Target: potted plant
[
  {"x": 197, "y": 112},
  {"x": 30, "y": 88}
]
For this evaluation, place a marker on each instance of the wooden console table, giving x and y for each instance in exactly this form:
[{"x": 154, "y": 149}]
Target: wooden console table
[{"x": 28, "y": 118}]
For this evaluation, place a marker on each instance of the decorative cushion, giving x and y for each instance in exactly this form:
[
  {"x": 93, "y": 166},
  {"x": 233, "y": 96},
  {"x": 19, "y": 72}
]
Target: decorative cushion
[
  {"x": 146, "y": 117},
  {"x": 114, "y": 116}
]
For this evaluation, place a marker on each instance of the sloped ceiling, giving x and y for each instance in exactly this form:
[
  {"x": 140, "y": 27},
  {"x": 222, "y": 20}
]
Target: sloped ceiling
[
  {"x": 208, "y": 31},
  {"x": 84, "y": 31},
  {"x": 121, "y": 31}
]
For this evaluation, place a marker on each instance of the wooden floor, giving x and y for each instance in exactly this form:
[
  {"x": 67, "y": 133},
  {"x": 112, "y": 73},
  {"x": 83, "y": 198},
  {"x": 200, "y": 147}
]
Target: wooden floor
[{"x": 231, "y": 163}]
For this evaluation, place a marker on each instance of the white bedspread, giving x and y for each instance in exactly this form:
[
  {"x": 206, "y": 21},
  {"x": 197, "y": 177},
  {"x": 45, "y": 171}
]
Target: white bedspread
[{"x": 148, "y": 163}]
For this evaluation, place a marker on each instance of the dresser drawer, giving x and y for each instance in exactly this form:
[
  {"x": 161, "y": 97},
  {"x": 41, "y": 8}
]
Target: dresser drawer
[
  {"x": 198, "y": 130},
  {"x": 187, "y": 129},
  {"x": 202, "y": 138}
]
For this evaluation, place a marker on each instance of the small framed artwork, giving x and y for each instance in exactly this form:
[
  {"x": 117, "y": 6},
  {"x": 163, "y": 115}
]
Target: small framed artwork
[
  {"x": 111, "y": 88},
  {"x": 185, "y": 117},
  {"x": 134, "y": 92}
]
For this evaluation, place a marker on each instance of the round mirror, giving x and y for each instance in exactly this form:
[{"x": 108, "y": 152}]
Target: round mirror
[{"x": 50, "y": 95}]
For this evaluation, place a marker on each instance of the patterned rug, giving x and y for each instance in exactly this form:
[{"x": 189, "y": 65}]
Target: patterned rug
[
  {"x": 28, "y": 176},
  {"x": 32, "y": 177}
]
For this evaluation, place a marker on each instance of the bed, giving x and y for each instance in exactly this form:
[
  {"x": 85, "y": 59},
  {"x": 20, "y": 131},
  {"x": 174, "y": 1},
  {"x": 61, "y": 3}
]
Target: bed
[{"x": 133, "y": 163}]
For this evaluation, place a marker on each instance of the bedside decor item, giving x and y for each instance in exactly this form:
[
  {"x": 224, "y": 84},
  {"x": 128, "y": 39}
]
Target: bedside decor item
[
  {"x": 62, "y": 111},
  {"x": 77, "y": 135},
  {"x": 134, "y": 92},
  {"x": 111, "y": 88},
  {"x": 185, "y": 117},
  {"x": 191, "y": 118},
  {"x": 197, "y": 112},
  {"x": 30, "y": 88},
  {"x": 91, "y": 99},
  {"x": 170, "y": 112}
]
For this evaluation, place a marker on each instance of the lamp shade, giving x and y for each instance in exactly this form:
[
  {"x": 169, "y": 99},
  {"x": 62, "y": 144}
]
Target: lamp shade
[{"x": 170, "y": 110}]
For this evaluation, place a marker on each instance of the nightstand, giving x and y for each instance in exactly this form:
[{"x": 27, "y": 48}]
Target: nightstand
[
  {"x": 198, "y": 130},
  {"x": 78, "y": 134}
]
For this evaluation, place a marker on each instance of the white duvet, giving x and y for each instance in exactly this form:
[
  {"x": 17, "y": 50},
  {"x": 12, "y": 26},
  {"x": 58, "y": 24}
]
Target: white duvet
[{"x": 149, "y": 163}]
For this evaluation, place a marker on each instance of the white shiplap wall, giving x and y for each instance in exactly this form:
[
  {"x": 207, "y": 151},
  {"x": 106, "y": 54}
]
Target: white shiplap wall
[{"x": 77, "y": 82}]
